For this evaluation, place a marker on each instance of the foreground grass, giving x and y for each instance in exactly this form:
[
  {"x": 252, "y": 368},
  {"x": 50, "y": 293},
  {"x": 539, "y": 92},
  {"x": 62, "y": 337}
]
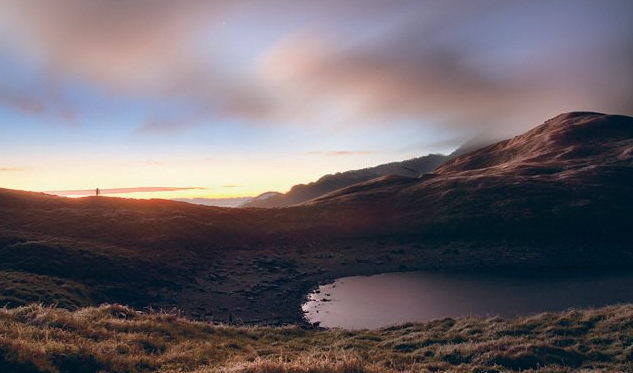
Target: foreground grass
[{"x": 114, "y": 338}]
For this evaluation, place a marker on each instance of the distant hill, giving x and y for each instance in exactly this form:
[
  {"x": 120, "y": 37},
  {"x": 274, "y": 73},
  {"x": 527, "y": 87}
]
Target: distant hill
[
  {"x": 259, "y": 199},
  {"x": 304, "y": 192},
  {"x": 219, "y": 202}
]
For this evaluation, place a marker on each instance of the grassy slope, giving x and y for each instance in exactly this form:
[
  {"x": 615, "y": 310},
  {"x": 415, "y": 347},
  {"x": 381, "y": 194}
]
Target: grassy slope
[{"x": 119, "y": 339}]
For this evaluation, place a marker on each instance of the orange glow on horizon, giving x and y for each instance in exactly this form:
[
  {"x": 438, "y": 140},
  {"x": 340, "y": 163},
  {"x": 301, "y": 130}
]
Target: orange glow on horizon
[
  {"x": 189, "y": 177},
  {"x": 158, "y": 195}
]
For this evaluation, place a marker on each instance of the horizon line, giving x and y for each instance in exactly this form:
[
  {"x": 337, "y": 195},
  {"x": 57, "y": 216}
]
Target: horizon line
[{"x": 79, "y": 192}]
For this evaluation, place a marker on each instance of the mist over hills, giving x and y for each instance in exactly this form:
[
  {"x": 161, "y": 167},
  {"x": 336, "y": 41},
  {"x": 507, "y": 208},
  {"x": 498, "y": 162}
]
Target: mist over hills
[
  {"x": 558, "y": 195},
  {"x": 409, "y": 168},
  {"x": 305, "y": 192},
  {"x": 219, "y": 202},
  {"x": 569, "y": 177}
]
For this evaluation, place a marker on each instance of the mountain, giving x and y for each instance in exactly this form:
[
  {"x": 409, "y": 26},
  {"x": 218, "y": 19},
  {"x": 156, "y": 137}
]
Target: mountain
[
  {"x": 568, "y": 178},
  {"x": 556, "y": 196},
  {"x": 259, "y": 199},
  {"x": 304, "y": 192},
  {"x": 219, "y": 202}
]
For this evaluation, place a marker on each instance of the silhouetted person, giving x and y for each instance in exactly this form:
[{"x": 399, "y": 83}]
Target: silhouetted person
[{"x": 97, "y": 192}]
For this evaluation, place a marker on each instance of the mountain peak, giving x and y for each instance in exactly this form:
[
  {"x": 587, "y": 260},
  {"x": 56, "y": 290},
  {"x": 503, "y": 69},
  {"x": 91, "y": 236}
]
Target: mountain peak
[
  {"x": 568, "y": 140},
  {"x": 581, "y": 126}
]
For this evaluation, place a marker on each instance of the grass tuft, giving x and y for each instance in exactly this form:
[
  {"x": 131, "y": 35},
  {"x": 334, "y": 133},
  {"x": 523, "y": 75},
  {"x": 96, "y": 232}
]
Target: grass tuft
[{"x": 115, "y": 338}]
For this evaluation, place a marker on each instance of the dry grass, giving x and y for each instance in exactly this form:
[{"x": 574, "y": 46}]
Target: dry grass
[
  {"x": 21, "y": 288},
  {"x": 114, "y": 338}
]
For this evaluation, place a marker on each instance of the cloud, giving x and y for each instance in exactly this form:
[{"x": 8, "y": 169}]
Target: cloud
[
  {"x": 22, "y": 103},
  {"x": 124, "y": 50},
  {"x": 123, "y": 45},
  {"x": 410, "y": 76},
  {"x": 82, "y": 192},
  {"x": 448, "y": 64},
  {"x": 35, "y": 104},
  {"x": 163, "y": 126},
  {"x": 338, "y": 153},
  {"x": 493, "y": 70},
  {"x": 12, "y": 169}
]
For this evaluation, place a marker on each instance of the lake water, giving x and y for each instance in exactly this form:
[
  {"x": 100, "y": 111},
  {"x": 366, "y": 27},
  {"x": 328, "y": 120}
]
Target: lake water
[{"x": 392, "y": 298}]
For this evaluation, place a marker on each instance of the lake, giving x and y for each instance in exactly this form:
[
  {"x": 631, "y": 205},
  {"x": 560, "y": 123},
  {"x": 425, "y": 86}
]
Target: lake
[{"x": 374, "y": 301}]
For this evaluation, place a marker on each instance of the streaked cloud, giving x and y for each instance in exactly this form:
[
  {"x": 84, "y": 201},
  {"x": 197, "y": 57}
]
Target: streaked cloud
[
  {"x": 453, "y": 64},
  {"x": 165, "y": 126},
  {"x": 31, "y": 104},
  {"x": 12, "y": 169},
  {"x": 338, "y": 153},
  {"x": 455, "y": 71},
  {"x": 122, "y": 45},
  {"x": 82, "y": 192},
  {"x": 21, "y": 102}
]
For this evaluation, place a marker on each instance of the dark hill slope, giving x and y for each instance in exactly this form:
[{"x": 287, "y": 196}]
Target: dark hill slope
[
  {"x": 304, "y": 192},
  {"x": 570, "y": 177},
  {"x": 569, "y": 141}
]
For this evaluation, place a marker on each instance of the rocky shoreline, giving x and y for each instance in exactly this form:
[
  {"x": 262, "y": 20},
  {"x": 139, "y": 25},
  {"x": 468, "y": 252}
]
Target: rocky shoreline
[{"x": 269, "y": 287}]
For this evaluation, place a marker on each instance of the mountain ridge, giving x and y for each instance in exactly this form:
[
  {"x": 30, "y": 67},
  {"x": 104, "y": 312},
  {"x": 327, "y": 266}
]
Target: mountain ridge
[
  {"x": 561, "y": 144},
  {"x": 303, "y": 192},
  {"x": 570, "y": 132}
]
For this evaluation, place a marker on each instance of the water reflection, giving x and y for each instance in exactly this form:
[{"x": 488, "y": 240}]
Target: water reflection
[{"x": 391, "y": 298}]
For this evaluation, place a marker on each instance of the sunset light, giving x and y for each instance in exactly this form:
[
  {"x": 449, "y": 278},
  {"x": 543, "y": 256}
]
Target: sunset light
[
  {"x": 330, "y": 186},
  {"x": 204, "y": 94}
]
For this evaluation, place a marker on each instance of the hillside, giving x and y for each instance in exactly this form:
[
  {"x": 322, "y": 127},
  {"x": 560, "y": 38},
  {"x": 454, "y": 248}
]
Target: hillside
[
  {"x": 304, "y": 192},
  {"x": 556, "y": 196},
  {"x": 119, "y": 339},
  {"x": 569, "y": 177}
]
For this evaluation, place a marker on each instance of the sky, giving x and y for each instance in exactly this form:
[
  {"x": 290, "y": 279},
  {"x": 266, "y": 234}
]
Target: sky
[{"x": 216, "y": 99}]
